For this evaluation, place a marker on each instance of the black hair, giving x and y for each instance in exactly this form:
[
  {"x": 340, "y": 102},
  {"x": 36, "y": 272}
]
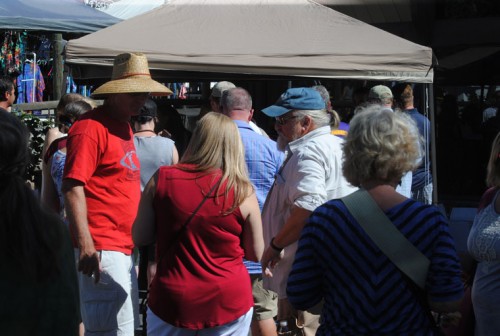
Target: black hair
[
  {"x": 28, "y": 238},
  {"x": 142, "y": 119},
  {"x": 147, "y": 113},
  {"x": 6, "y": 85}
]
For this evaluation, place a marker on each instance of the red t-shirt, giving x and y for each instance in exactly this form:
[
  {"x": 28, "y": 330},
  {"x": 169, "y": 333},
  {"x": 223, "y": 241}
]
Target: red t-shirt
[
  {"x": 101, "y": 154},
  {"x": 200, "y": 281}
]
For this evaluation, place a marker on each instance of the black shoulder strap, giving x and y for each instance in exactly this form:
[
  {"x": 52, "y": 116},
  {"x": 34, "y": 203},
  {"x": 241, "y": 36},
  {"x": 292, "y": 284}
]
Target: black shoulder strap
[
  {"x": 183, "y": 228},
  {"x": 194, "y": 212}
]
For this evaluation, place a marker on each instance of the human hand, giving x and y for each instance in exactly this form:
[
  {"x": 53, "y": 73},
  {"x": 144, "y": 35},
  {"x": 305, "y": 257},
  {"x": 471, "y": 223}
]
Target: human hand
[
  {"x": 270, "y": 259},
  {"x": 89, "y": 264}
]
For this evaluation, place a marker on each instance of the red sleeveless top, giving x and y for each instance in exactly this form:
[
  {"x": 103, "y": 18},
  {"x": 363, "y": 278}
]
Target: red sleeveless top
[{"x": 201, "y": 281}]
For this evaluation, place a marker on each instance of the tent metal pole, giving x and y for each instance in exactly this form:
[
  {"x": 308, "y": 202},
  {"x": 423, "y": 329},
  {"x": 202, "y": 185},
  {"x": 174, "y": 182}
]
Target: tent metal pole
[
  {"x": 58, "y": 80},
  {"x": 429, "y": 88}
]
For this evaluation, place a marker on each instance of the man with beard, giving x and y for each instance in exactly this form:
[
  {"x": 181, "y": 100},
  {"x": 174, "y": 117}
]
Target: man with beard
[{"x": 310, "y": 175}]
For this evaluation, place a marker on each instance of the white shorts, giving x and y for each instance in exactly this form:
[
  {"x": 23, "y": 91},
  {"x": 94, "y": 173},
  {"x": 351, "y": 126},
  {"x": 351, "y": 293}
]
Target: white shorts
[
  {"x": 110, "y": 307},
  {"x": 238, "y": 327}
]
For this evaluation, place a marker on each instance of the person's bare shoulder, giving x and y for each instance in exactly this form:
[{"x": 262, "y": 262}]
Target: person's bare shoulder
[{"x": 52, "y": 134}]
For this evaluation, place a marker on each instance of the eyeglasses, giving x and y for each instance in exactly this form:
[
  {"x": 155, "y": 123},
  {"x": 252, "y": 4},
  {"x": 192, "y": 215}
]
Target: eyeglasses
[{"x": 282, "y": 120}]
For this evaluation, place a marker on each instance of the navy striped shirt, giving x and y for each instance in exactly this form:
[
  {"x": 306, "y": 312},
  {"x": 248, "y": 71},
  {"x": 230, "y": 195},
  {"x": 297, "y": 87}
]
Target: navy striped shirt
[{"x": 363, "y": 291}]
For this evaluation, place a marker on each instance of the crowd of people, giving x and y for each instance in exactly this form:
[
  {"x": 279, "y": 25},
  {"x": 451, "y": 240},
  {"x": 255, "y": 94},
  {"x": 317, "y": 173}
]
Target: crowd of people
[{"x": 237, "y": 231}]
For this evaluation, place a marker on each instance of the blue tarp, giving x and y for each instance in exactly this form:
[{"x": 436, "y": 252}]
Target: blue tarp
[{"x": 65, "y": 16}]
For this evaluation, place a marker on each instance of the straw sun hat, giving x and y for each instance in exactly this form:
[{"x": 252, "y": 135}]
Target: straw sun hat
[{"x": 131, "y": 75}]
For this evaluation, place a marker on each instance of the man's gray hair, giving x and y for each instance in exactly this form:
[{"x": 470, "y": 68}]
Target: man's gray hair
[
  {"x": 323, "y": 93},
  {"x": 320, "y": 117},
  {"x": 236, "y": 98}
]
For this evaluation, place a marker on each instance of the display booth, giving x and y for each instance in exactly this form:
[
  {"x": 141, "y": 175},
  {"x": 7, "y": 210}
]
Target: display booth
[{"x": 32, "y": 43}]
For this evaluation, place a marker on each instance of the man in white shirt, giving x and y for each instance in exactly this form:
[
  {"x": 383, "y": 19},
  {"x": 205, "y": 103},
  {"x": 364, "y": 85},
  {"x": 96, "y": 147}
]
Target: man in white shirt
[{"x": 310, "y": 175}]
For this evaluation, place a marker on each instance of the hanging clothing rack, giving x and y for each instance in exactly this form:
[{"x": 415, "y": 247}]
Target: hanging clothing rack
[{"x": 33, "y": 90}]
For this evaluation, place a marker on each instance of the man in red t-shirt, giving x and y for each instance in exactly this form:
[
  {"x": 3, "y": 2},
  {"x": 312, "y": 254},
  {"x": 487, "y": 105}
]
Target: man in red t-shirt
[{"x": 101, "y": 186}]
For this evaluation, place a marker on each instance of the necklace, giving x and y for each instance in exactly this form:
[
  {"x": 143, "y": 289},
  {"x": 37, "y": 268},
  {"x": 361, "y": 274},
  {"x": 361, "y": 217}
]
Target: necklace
[{"x": 144, "y": 131}]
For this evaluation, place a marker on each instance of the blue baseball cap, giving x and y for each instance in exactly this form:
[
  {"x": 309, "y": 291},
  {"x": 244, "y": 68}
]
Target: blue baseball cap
[{"x": 296, "y": 99}]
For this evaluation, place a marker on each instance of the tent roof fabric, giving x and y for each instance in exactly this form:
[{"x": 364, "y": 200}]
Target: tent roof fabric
[
  {"x": 266, "y": 37},
  {"x": 125, "y": 9},
  {"x": 67, "y": 16}
]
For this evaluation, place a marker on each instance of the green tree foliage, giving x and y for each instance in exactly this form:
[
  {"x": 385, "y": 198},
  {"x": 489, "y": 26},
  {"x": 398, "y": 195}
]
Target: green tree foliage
[{"x": 38, "y": 128}]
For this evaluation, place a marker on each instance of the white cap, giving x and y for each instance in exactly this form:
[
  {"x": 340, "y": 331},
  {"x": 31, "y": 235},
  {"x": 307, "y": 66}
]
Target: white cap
[{"x": 220, "y": 87}]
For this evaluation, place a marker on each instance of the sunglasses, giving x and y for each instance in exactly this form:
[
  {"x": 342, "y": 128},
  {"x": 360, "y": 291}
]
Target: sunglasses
[{"x": 282, "y": 120}]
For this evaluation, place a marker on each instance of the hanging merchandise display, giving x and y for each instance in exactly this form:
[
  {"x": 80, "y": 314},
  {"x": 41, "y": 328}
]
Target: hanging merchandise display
[
  {"x": 44, "y": 50},
  {"x": 13, "y": 46},
  {"x": 184, "y": 90},
  {"x": 24, "y": 66},
  {"x": 32, "y": 59},
  {"x": 30, "y": 83},
  {"x": 72, "y": 87}
]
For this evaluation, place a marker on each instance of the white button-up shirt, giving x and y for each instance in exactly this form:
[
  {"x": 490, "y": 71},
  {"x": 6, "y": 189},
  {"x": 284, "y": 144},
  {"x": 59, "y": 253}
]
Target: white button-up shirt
[{"x": 310, "y": 176}]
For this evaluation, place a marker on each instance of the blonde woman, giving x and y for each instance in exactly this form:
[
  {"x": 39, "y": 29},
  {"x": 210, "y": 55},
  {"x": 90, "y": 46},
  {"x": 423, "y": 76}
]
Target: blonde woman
[
  {"x": 204, "y": 217},
  {"x": 363, "y": 291}
]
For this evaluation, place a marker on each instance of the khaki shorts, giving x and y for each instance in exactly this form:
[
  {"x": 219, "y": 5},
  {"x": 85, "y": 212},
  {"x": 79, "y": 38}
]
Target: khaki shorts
[
  {"x": 265, "y": 301},
  {"x": 307, "y": 321}
]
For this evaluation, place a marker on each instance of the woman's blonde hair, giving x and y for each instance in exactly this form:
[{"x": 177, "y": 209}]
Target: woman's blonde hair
[
  {"x": 216, "y": 144},
  {"x": 493, "y": 170},
  {"x": 381, "y": 145}
]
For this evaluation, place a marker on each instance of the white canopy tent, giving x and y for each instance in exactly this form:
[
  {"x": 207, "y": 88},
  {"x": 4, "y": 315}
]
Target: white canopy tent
[
  {"x": 266, "y": 37},
  {"x": 283, "y": 38}
]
